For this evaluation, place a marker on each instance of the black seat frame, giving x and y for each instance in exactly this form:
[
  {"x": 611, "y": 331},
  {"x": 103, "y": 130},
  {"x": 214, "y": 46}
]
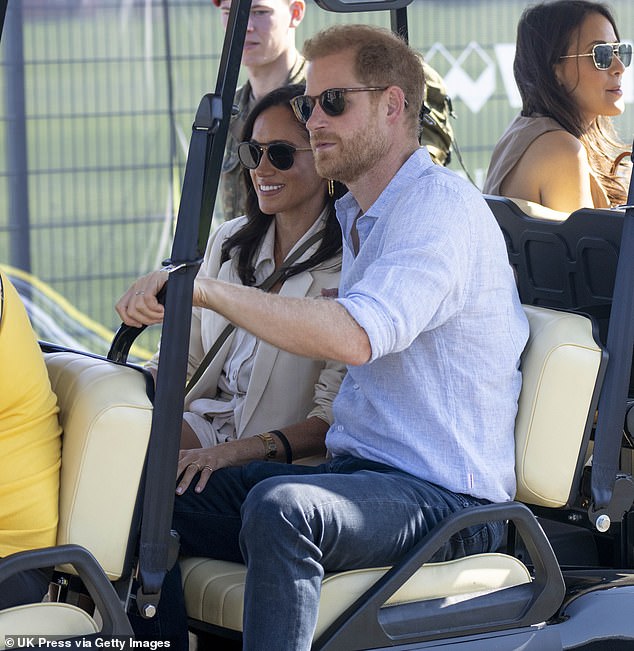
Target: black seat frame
[{"x": 586, "y": 264}]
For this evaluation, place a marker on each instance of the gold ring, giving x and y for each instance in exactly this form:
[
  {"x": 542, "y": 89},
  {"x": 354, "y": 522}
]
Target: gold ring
[
  {"x": 208, "y": 468},
  {"x": 195, "y": 465}
]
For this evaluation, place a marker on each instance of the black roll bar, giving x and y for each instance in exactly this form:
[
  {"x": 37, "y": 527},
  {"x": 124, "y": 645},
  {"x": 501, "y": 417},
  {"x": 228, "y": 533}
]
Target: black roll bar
[
  {"x": 614, "y": 393},
  {"x": 158, "y": 546}
]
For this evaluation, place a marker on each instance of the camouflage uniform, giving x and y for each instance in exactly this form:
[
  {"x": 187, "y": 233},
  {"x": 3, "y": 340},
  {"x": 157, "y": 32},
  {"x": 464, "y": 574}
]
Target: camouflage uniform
[{"x": 231, "y": 186}]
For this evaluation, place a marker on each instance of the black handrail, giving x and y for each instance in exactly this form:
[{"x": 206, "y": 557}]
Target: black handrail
[
  {"x": 613, "y": 400},
  {"x": 157, "y": 547}
]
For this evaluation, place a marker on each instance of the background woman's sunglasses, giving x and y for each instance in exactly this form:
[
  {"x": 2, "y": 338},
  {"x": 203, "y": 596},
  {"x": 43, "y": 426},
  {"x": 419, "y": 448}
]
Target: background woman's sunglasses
[
  {"x": 332, "y": 101},
  {"x": 280, "y": 154},
  {"x": 603, "y": 53}
]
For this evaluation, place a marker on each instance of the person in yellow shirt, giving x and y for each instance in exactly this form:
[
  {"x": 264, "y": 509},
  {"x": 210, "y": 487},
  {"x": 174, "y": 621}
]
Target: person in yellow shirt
[{"x": 30, "y": 448}]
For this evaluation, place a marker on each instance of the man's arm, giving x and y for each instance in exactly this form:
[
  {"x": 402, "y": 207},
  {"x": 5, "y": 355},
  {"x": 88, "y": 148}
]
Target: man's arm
[{"x": 316, "y": 328}]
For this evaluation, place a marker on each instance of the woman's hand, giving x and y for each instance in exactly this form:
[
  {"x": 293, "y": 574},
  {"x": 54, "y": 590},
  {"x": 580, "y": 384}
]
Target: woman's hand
[
  {"x": 138, "y": 306},
  {"x": 204, "y": 461}
]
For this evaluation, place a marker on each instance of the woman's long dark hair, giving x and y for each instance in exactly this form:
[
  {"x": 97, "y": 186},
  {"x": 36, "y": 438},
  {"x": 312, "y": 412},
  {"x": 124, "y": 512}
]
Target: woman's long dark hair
[
  {"x": 246, "y": 241},
  {"x": 544, "y": 34}
]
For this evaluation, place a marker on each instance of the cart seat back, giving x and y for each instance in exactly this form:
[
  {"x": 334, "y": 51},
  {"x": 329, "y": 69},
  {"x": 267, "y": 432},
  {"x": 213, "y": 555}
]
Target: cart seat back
[{"x": 106, "y": 415}]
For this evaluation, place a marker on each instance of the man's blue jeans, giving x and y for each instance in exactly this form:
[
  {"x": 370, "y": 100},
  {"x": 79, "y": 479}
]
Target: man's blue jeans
[{"x": 290, "y": 524}]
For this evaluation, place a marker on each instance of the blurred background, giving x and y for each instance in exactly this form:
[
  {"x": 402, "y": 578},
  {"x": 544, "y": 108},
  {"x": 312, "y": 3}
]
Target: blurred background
[{"x": 97, "y": 101}]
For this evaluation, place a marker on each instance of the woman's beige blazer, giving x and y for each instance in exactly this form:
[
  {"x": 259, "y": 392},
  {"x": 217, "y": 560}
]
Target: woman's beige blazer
[{"x": 284, "y": 388}]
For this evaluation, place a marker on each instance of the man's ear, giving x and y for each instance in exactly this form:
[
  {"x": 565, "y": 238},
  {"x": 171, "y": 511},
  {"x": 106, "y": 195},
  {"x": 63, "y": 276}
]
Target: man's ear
[
  {"x": 297, "y": 9},
  {"x": 395, "y": 101}
]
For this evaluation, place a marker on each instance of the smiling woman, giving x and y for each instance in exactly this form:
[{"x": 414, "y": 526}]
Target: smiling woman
[
  {"x": 253, "y": 401},
  {"x": 270, "y": 59},
  {"x": 283, "y": 175},
  {"x": 560, "y": 151}
]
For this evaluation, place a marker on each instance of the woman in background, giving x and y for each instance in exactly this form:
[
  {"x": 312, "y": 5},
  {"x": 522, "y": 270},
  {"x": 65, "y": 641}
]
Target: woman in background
[{"x": 561, "y": 151}]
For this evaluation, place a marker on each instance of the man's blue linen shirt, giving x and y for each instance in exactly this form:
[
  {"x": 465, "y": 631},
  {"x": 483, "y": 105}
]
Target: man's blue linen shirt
[{"x": 432, "y": 288}]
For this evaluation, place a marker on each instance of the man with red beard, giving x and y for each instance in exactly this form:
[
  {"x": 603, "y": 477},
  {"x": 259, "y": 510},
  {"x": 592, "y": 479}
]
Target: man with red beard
[{"x": 428, "y": 321}]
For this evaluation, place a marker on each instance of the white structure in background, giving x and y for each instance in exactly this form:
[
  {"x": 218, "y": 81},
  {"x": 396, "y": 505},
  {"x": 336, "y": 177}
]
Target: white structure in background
[{"x": 475, "y": 93}]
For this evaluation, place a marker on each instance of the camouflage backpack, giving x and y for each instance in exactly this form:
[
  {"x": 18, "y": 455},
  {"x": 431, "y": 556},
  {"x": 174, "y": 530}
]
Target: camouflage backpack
[{"x": 436, "y": 130}]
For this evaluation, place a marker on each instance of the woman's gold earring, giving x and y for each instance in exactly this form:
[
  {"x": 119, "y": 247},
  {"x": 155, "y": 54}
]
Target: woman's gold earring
[{"x": 331, "y": 188}]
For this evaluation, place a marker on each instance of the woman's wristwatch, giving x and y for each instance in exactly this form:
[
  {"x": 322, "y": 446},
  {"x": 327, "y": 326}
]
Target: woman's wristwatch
[{"x": 270, "y": 447}]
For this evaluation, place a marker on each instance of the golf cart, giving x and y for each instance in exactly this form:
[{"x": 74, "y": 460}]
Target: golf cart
[{"x": 544, "y": 590}]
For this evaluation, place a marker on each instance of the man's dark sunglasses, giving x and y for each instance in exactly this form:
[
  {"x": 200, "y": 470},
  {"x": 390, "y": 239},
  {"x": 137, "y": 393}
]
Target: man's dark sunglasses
[
  {"x": 332, "y": 101},
  {"x": 281, "y": 154}
]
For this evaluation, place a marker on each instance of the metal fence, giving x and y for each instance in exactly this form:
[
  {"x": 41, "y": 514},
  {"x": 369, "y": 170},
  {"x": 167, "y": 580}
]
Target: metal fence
[{"x": 98, "y": 97}]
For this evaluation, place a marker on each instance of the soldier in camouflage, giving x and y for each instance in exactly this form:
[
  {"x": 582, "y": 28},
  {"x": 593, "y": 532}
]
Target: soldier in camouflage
[{"x": 271, "y": 60}]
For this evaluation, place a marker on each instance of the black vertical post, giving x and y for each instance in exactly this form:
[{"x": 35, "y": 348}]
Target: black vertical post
[
  {"x": 3, "y": 12},
  {"x": 19, "y": 231},
  {"x": 200, "y": 183},
  {"x": 398, "y": 22}
]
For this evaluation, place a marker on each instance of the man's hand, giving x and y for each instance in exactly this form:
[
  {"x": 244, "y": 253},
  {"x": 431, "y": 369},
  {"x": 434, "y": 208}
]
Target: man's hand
[{"x": 138, "y": 306}]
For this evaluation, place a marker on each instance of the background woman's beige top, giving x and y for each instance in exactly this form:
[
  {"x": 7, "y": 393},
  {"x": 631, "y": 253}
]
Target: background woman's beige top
[{"x": 517, "y": 138}]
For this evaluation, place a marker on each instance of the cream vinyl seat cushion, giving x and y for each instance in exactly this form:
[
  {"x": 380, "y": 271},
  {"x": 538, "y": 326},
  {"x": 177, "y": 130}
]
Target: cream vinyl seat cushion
[
  {"x": 46, "y": 619},
  {"x": 560, "y": 367},
  {"x": 106, "y": 415},
  {"x": 214, "y": 590}
]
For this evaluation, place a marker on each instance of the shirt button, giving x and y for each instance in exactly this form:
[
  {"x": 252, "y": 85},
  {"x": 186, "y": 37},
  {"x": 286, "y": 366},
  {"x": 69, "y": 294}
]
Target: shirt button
[{"x": 356, "y": 387}]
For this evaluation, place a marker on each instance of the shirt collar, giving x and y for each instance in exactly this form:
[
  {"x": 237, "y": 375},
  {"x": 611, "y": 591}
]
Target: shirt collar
[
  {"x": 348, "y": 208},
  {"x": 265, "y": 261}
]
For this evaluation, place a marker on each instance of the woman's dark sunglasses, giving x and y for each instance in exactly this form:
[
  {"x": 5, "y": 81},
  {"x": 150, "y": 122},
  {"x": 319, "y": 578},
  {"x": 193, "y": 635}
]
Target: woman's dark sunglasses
[
  {"x": 281, "y": 154},
  {"x": 603, "y": 53},
  {"x": 332, "y": 101}
]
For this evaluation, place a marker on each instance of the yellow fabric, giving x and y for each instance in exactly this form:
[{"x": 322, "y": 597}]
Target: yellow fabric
[{"x": 30, "y": 435}]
